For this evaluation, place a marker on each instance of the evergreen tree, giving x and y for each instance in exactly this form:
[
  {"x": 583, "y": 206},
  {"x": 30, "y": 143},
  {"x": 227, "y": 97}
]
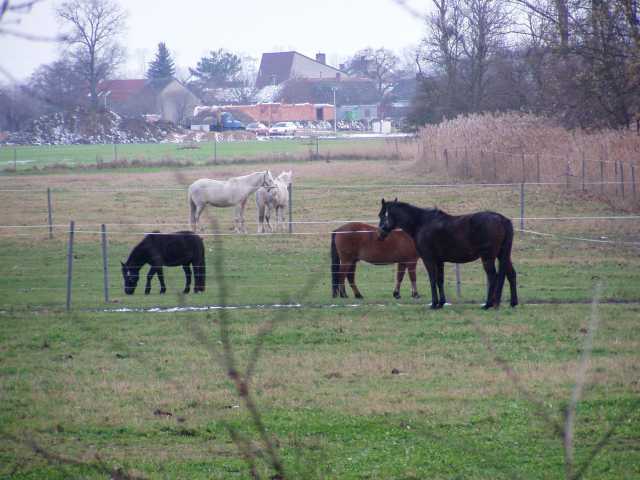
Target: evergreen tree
[
  {"x": 162, "y": 66},
  {"x": 217, "y": 68}
]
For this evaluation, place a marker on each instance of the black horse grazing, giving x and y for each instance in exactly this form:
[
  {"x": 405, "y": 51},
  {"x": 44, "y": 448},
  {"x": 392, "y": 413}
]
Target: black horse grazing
[
  {"x": 166, "y": 249},
  {"x": 440, "y": 237}
]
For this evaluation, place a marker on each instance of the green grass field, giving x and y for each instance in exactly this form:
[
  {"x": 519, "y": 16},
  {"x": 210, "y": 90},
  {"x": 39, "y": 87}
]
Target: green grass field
[
  {"x": 350, "y": 389},
  {"x": 29, "y": 158}
]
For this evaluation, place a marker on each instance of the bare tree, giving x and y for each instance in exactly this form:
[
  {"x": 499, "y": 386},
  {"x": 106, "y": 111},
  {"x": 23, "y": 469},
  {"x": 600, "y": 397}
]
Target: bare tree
[
  {"x": 485, "y": 25},
  {"x": 443, "y": 47},
  {"x": 379, "y": 65},
  {"x": 57, "y": 84},
  {"x": 95, "y": 26}
]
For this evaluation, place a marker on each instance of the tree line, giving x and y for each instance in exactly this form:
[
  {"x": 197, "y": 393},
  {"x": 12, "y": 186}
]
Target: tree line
[{"x": 575, "y": 60}]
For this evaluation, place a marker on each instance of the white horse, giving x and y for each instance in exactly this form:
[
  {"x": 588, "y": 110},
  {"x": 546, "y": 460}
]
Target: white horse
[
  {"x": 226, "y": 193},
  {"x": 276, "y": 197}
]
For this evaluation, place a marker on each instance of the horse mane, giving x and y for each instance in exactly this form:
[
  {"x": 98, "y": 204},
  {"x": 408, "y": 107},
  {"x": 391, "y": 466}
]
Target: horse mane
[{"x": 415, "y": 210}]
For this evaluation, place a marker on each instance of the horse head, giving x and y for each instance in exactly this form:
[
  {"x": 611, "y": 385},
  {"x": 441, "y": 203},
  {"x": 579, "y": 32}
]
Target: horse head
[
  {"x": 267, "y": 180},
  {"x": 388, "y": 221},
  {"x": 285, "y": 177},
  {"x": 130, "y": 276}
]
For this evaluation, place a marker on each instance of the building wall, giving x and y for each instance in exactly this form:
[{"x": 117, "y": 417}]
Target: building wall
[
  {"x": 357, "y": 112},
  {"x": 270, "y": 113}
]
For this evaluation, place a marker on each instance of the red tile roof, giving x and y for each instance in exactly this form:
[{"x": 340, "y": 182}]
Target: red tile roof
[{"x": 121, "y": 90}]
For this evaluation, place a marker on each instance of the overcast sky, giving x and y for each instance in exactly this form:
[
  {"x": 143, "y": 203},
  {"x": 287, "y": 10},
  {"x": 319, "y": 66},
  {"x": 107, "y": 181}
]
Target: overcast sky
[{"x": 190, "y": 29}]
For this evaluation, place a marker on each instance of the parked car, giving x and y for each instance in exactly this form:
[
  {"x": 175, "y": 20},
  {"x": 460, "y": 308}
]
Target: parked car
[
  {"x": 258, "y": 128},
  {"x": 283, "y": 128}
]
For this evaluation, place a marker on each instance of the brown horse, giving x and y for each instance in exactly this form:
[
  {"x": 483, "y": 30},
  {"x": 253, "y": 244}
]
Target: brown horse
[{"x": 358, "y": 241}]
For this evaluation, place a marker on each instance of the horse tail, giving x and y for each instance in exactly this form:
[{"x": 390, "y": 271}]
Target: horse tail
[
  {"x": 507, "y": 243},
  {"x": 192, "y": 212},
  {"x": 199, "y": 266},
  {"x": 335, "y": 265}
]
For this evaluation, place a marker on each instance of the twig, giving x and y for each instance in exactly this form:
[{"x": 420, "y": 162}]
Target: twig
[{"x": 581, "y": 375}]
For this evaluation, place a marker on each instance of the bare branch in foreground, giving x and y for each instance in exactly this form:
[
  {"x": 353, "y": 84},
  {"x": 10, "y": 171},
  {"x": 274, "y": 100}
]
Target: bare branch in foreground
[{"x": 581, "y": 375}]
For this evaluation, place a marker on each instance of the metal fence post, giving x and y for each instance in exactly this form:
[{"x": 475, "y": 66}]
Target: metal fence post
[
  {"x": 522, "y": 208},
  {"x": 49, "y": 213},
  {"x": 290, "y": 190},
  {"x": 105, "y": 262},
  {"x": 458, "y": 281},
  {"x": 622, "y": 178},
  {"x": 70, "y": 263},
  {"x": 633, "y": 181},
  {"x": 446, "y": 160},
  {"x": 584, "y": 171}
]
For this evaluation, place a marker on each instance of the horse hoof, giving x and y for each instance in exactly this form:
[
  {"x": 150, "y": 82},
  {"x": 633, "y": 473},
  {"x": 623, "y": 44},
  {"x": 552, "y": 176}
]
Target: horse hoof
[
  {"x": 147, "y": 292},
  {"x": 185, "y": 291},
  {"x": 162, "y": 291},
  {"x": 513, "y": 304},
  {"x": 396, "y": 295},
  {"x": 487, "y": 306},
  {"x": 435, "y": 306},
  {"x": 415, "y": 295}
]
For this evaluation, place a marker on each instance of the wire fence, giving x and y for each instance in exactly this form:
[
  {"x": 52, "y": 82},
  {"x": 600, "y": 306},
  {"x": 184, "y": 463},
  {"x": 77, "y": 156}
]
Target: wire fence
[{"x": 93, "y": 274}]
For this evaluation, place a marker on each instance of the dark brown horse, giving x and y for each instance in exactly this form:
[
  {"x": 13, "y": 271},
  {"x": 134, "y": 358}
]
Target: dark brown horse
[
  {"x": 440, "y": 237},
  {"x": 358, "y": 241}
]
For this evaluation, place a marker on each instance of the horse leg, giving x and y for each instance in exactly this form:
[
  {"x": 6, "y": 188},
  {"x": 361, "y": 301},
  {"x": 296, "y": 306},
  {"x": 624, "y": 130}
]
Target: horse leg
[
  {"x": 260, "y": 218},
  {"x": 440, "y": 283},
  {"x": 511, "y": 276},
  {"x": 492, "y": 281},
  {"x": 412, "y": 276},
  {"x": 342, "y": 273},
  {"x": 351, "y": 275},
  {"x": 432, "y": 270},
  {"x": 267, "y": 218},
  {"x": 152, "y": 272},
  {"x": 242, "y": 205},
  {"x": 187, "y": 277},
  {"x": 163, "y": 287},
  {"x": 399, "y": 277},
  {"x": 198, "y": 212}
]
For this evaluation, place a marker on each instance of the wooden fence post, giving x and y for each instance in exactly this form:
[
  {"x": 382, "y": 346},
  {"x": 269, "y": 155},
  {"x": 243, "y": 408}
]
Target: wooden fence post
[
  {"x": 49, "y": 213},
  {"x": 524, "y": 173},
  {"x": 538, "y": 168},
  {"x": 633, "y": 181},
  {"x": 290, "y": 190},
  {"x": 70, "y": 263},
  {"x": 601, "y": 176},
  {"x": 105, "y": 262},
  {"x": 622, "y": 178},
  {"x": 458, "y": 281}
]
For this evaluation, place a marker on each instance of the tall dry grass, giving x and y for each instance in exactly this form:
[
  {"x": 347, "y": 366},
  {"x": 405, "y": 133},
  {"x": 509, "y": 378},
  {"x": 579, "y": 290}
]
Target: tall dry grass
[{"x": 517, "y": 147}]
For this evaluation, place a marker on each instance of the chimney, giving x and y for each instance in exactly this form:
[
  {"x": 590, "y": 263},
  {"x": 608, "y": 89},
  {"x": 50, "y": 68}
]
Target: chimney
[{"x": 321, "y": 58}]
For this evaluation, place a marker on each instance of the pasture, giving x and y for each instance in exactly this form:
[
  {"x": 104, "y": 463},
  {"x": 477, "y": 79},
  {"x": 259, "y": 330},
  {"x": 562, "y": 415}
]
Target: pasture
[
  {"x": 373, "y": 388},
  {"x": 28, "y": 158}
]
